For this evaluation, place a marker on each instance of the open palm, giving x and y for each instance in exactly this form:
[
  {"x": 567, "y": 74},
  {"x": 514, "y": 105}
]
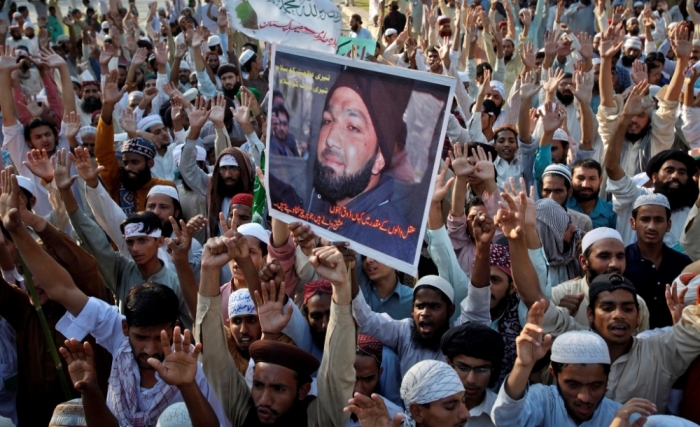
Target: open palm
[{"x": 180, "y": 364}]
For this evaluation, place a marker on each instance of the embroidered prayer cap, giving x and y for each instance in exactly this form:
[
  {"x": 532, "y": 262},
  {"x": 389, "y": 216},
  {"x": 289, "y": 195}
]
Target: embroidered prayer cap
[
  {"x": 87, "y": 83},
  {"x": 656, "y": 162},
  {"x": 245, "y": 56},
  {"x": 500, "y": 257},
  {"x": 69, "y": 413},
  {"x": 558, "y": 169},
  {"x": 139, "y": 146},
  {"x": 580, "y": 347},
  {"x": 228, "y": 160},
  {"x": 597, "y": 234},
  {"x": 241, "y": 304},
  {"x": 609, "y": 283},
  {"x": 285, "y": 355},
  {"x": 244, "y": 199},
  {"x": 426, "y": 382},
  {"x": 499, "y": 87},
  {"x": 474, "y": 339},
  {"x": 255, "y": 230},
  {"x": 438, "y": 283},
  {"x": 652, "y": 199},
  {"x": 26, "y": 184},
  {"x": 164, "y": 189},
  {"x": 149, "y": 121},
  {"x": 322, "y": 286},
  {"x": 371, "y": 346},
  {"x": 175, "y": 415},
  {"x": 386, "y": 101},
  {"x": 87, "y": 130}
]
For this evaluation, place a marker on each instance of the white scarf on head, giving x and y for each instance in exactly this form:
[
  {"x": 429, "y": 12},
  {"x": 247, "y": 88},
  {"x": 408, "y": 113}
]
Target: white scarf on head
[{"x": 426, "y": 382}]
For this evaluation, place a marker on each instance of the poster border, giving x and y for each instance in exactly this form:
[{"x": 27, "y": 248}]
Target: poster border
[{"x": 381, "y": 69}]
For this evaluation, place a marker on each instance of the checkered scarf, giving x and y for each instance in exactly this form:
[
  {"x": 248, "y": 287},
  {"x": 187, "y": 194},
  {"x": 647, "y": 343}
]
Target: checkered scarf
[
  {"x": 124, "y": 387},
  {"x": 426, "y": 382}
]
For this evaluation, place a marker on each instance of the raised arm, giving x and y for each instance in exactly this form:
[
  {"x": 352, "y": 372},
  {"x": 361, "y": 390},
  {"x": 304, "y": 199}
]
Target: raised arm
[
  {"x": 54, "y": 61},
  {"x": 8, "y": 63},
  {"x": 179, "y": 250},
  {"x": 528, "y": 90},
  {"x": 681, "y": 42},
  {"x": 610, "y": 43},
  {"x": 582, "y": 90}
]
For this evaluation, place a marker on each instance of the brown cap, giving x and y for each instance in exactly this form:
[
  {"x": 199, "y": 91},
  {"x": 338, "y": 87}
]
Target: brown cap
[{"x": 286, "y": 355}]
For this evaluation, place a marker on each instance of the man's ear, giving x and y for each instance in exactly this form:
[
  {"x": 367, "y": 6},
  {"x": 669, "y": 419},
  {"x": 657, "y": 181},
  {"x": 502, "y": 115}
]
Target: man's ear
[
  {"x": 591, "y": 315},
  {"x": 125, "y": 328},
  {"x": 450, "y": 311},
  {"x": 668, "y": 227},
  {"x": 416, "y": 412},
  {"x": 304, "y": 391},
  {"x": 379, "y": 163},
  {"x": 150, "y": 163},
  {"x": 632, "y": 222}
]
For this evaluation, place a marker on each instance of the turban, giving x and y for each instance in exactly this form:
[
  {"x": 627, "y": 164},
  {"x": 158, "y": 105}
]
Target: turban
[
  {"x": 242, "y": 199},
  {"x": 175, "y": 415},
  {"x": 426, "y": 382},
  {"x": 148, "y": 121},
  {"x": 500, "y": 257},
  {"x": 580, "y": 347},
  {"x": 26, "y": 184},
  {"x": 438, "y": 283},
  {"x": 370, "y": 346},
  {"x": 241, "y": 304},
  {"x": 87, "y": 83},
  {"x": 255, "y": 230},
  {"x": 658, "y": 161},
  {"x": 386, "y": 102},
  {"x": 609, "y": 283},
  {"x": 499, "y": 87},
  {"x": 557, "y": 169},
  {"x": 139, "y": 146},
  {"x": 285, "y": 355},
  {"x": 652, "y": 199},
  {"x": 322, "y": 286},
  {"x": 600, "y": 233},
  {"x": 164, "y": 189},
  {"x": 474, "y": 339},
  {"x": 69, "y": 413}
]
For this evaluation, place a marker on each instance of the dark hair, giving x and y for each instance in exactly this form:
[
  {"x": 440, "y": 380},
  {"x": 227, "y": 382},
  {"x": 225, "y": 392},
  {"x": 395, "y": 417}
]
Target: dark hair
[
  {"x": 652, "y": 65},
  {"x": 251, "y": 46},
  {"x": 587, "y": 163},
  {"x": 668, "y": 213},
  {"x": 37, "y": 123},
  {"x": 277, "y": 94},
  {"x": 21, "y": 8},
  {"x": 227, "y": 68},
  {"x": 557, "y": 367},
  {"x": 655, "y": 57},
  {"x": 150, "y": 221},
  {"x": 481, "y": 67},
  {"x": 280, "y": 109},
  {"x": 151, "y": 304},
  {"x": 474, "y": 201},
  {"x": 504, "y": 129},
  {"x": 357, "y": 18},
  {"x": 432, "y": 49}
]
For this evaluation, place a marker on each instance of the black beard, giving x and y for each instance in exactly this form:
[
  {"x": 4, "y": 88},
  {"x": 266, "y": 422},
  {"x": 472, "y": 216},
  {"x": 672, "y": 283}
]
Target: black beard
[
  {"x": 634, "y": 137},
  {"x": 319, "y": 338},
  {"x": 30, "y": 37},
  {"x": 225, "y": 189},
  {"x": 508, "y": 57},
  {"x": 565, "y": 99},
  {"x": 135, "y": 184},
  {"x": 231, "y": 93},
  {"x": 679, "y": 198},
  {"x": 634, "y": 32},
  {"x": 334, "y": 188},
  {"x": 90, "y": 105},
  {"x": 354, "y": 28},
  {"x": 16, "y": 38},
  {"x": 581, "y": 198},
  {"x": 627, "y": 61},
  {"x": 167, "y": 228},
  {"x": 432, "y": 343}
]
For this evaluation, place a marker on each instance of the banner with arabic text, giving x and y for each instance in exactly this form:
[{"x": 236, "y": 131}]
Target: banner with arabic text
[
  {"x": 363, "y": 47},
  {"x": 353, "y": 150},
  {"x": 307, "y": 24}
]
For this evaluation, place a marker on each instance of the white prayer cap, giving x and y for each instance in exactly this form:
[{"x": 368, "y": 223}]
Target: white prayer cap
[
  {"x": 86, "y": 130},
  {"x": 498, "y": 87},
  {"x": 255, "y": 230},
  {"x": 595, "y": 61},
  {"x": 177, "y": 153},
  {"x": 443, "y": 18},
  {"x": 175, "y": 415},
  {"x": 164, "y": 189},
  {"x": 148, "y": 121},
  {"x": 661, "y": 420},
  {"x": 690, "y": 281},
  {"x": 27, "y": 184},
  {"x": 75, "y": 80},
  {"x": 598, "y": 36},
  {"x": 580, "y": 347},
  {"x": 428, "y": 381},
  {"x": 560, "y": 135},
  {"x": 184, "y": 65},
  {"x": 190, "y": 94},
  {"x": 558, "y": 169},
  {"x": 29, "y": 25},
  {"x": 438, "y": 283},
  {"x": 390, "y": 32},
  {"x": 632, "y": 42},
  {"x": 86, "y": 76},
  {"x": 241, "y": 304},
  {"x": 599, "y": 233},
  {"x": 213, "y": 41},
  {"x": 245, "y": 56},
  {"x": 105, "y": 25},
  {"x": 652, "y": 199},
  {"x": 638, "y": 4},
  {"x": 6, "y": 422},
  {"x": 228, "y": 160}
]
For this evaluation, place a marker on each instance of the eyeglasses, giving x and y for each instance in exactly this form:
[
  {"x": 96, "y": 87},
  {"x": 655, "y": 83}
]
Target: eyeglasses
[{"x": 478, "y": 370}]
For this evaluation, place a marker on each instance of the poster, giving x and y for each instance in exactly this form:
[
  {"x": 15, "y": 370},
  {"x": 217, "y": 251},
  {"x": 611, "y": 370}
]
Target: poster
[
  {"x": 363, "y": 47},
  {"x": 307, "y": 24},
  {"x": 354, "y": 150}
]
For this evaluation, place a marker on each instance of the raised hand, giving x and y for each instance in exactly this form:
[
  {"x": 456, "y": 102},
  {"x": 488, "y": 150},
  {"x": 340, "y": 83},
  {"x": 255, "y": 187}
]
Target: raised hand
[
  {"x": 526, "y": 17},
  {"x": 529, "y": 86},
  {"x": 528, "y": 56},
  {"x": 72, "y": 122},
  {"x": 83, "y": 165},
  {"x": 610, "y": 43},
  {"x": 459, "y": 159},
  {"x": 217, "y": 110},
  {"x": 583, "y": 87},
  {"x": 199, "y": 115},
  {"x": 241, "y": 112},
  {"x": 510, "y": 218},
  {"x": 530, "y": 219},
  {"x": 531, "y": 345},
  {"x": 33, "y": 107},
  {"x": 586, "y": 45},
  {"x": 485, "y": 86},
  {"x": 484, "y": 168},
  {"x": 639, "y": 71},
  {"x": 52, "y": 59},
  {"x": 180, "y": 50},
  {"x": 177, "y": 113},
  {"x": 162, "y": 53},
  {"x": 128, "y": 122},
  {"x": 180, "y": 367},
  {"x": 110, "y": 92},
  {"x": 198, "y": 37},
  {"x": 8, "y": 59},
  {"x": 551, "y": 44},
  {"x": 61, "y": 166},
  {"x": 681, "y": 41},
  {"x": 270, "y": 302},
  {"x": 39, "y": 164},
  {"x": 81, "y": 364},
  {"x": 329, "y": 263},
  {"x": 675, "y": 301},
  {"x": 197, "y": 223},
  {"x": 9, "y": 199},
  {"x": 442, "y": 187},
  {"x": 179, "y": 247},
  {"x": 555, "y": 77},
  {"x": 371, "y": 411},
  {"x": 551, "y": 119},
  {"x": 637, "y": 102},
  {"x": 140, "y": 56}
]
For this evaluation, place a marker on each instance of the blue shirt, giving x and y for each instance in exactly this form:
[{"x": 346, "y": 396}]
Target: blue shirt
[
  {"x": 398, "y": 305},
  {"x": 362, "y": 34},
  {"x": 601, "y": 216},
  {"x": 650, "y": 280}
]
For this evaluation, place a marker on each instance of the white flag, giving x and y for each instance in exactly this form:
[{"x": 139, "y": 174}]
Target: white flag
[{"x": 307, "y": 24}]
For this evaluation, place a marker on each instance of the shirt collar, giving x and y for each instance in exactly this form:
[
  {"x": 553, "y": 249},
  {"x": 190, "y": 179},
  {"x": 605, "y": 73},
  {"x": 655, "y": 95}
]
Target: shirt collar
[{"x": 485, "y": 406}]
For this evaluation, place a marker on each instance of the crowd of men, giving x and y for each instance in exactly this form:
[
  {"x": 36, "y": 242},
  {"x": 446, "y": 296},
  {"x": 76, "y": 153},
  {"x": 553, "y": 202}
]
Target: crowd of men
[{"x": 145, "y": 284}]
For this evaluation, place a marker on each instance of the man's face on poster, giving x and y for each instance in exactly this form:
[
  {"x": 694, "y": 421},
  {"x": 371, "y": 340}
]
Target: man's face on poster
[
  {"x": 281, "y": 128},
  {"x": 348, "y": 155}
]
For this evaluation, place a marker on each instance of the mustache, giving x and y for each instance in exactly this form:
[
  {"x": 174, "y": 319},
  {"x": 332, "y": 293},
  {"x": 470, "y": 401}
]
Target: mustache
[{"x": 330, "y": 152}]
